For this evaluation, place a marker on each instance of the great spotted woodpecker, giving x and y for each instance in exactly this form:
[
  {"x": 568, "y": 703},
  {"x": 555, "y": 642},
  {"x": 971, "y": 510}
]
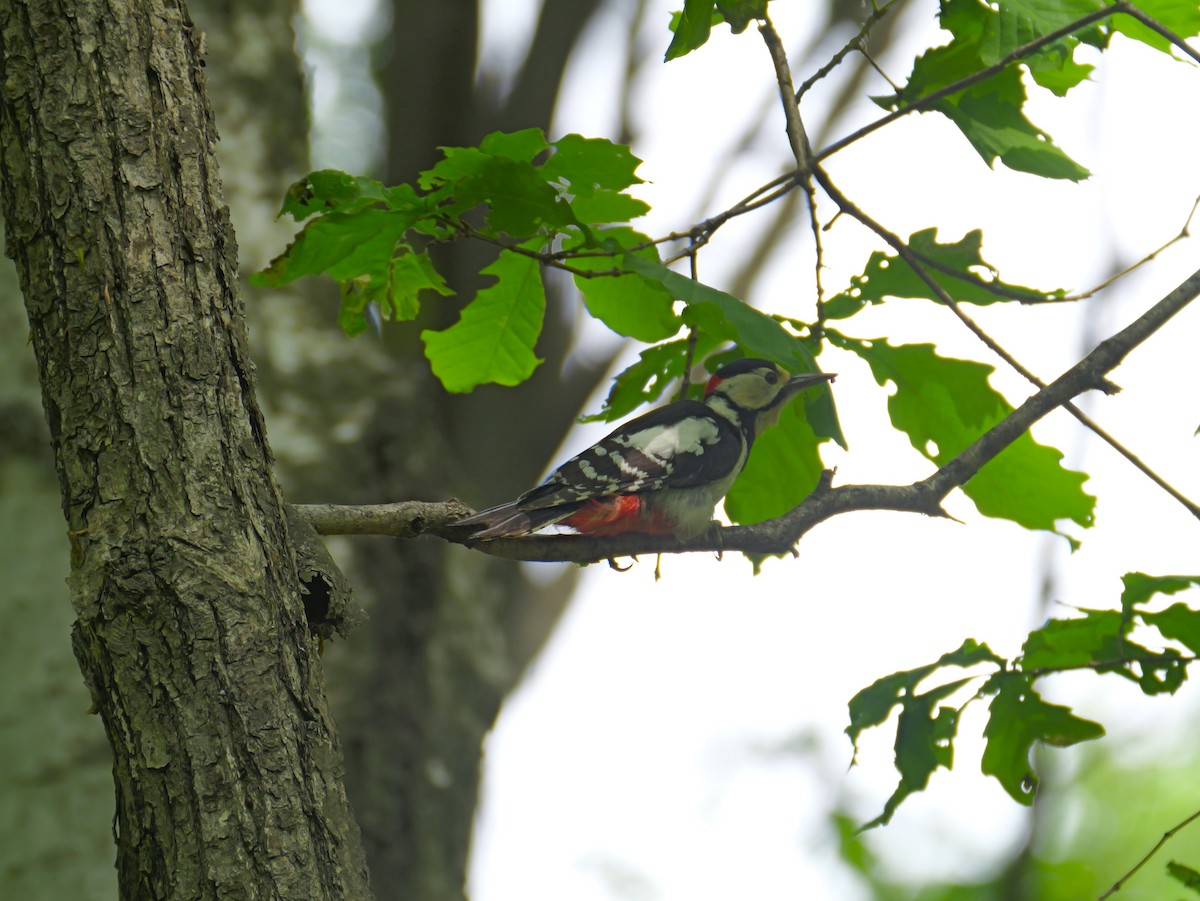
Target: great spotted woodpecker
[{"x": 663, "y": 472}]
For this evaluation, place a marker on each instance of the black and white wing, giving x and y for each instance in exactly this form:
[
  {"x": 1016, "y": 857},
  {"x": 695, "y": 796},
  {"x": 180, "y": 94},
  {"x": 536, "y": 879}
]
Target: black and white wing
[{"x": 678, "y": 446}]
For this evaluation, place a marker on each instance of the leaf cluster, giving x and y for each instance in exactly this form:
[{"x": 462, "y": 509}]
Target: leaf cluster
[
  {"x": 1045, "y": 38},
  {"x": 1099, "y": 640}
]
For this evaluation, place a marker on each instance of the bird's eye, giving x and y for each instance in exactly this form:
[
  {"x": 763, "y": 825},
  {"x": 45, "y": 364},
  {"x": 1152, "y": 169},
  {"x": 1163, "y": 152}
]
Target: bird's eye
[{"x": 771, "y": 377}]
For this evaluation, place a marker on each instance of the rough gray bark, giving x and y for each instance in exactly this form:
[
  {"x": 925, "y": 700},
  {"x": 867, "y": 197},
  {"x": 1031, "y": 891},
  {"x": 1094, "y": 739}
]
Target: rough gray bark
[{"x": 189, "y": 631}]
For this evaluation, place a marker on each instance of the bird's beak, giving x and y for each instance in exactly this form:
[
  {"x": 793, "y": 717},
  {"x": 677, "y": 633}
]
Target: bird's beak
[{"x": 798, "y": 383}]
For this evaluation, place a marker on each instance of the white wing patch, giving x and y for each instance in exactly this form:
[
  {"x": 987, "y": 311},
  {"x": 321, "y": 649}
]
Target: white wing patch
[{"x": 665, "y": 441}]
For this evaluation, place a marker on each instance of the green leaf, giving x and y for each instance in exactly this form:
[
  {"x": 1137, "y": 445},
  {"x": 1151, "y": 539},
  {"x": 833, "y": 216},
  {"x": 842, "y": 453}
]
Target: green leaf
[
  {"x": 1013, "y": 23},
  {"x": 924, "y": 737},
  {"x": 1140, "y": 587},
  {"x": 990, "y": 112},
  {"x": 1096, "y": 637},
  {"x": 740, "y": 13},
  {"x": 1099, "y": 639},
  {"x": 494, "y": 337},
  {"x": 1184, "y": 875},
  {"x": 783, "y": 469},
  {"x": 924, "y": 741},
  {"x": 345, "y": 245},
  {"x": 329, "y": 190},
  {"x": 1157, "y": 672},
  {"x": 644, "y": 381},
  {"x": 989, "y": 115},
  {"x": 872, "y": 706},
  {"x": 1180, "y": 16},
  {"x": 1018, "y": 718},
  {"x": 944, "y": 405},
  {"x": 692, "y": 27},
  {"x": 1179, "y": 622},
  {"x": 596, "y": 172},
  {"x": 590, "y": 164},
  {"x": 408, "y": 276},
  {"x": 1057, "y": 71},
  {"x": 630, "y": 305},
  {"x": 888, "y": 275},
  {"x": 519, "y": 201},
  {"x": 352, "y": 312},
  {"x": 519, "y": 146}
]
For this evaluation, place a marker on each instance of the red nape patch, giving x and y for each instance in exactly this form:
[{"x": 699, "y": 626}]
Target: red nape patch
[
  {"x": 615, "y": 516},
  {"x": 712, "y": 384}
]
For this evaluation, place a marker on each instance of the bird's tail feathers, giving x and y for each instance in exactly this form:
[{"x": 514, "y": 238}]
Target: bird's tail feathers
[{"x": 509, "y": 520}]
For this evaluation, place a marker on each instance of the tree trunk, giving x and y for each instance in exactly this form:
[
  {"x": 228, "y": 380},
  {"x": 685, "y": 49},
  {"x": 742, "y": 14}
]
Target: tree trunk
[{"x": 190, "y": 631}]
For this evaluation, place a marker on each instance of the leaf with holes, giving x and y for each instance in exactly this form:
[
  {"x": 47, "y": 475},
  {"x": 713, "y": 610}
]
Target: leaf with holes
[
  {"x": 872, "y": 706},
  {"x": 924, "y": 741},
  {"x": 888, "y": 275},
  {"x": 1018, "y": 717}
]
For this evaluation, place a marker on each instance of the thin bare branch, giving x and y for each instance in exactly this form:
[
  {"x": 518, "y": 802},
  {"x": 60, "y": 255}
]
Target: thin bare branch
[
  {"x": 1166, "y": 836},
  {"x": 855, "y": 43},
  {"x": 797, "y": 138},
  {"x": 692, "y": 338},
  {"x": 1184, "y": 233}
]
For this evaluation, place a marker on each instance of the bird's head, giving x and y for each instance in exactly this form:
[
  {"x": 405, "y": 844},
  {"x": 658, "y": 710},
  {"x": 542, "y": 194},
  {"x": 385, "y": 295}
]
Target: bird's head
[{"x": 754, "y": 391}]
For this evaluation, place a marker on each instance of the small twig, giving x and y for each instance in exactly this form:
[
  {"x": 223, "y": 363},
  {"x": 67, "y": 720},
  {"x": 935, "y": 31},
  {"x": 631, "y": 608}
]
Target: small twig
[
  {"x": 1184, "y": 233},
  {"x": 819, "y": 250},
  {"x": 1166, "y": 836},
  {"x": 858, "y": 42},
  {"x": 693, "y": 336},
  {"x": 797, "y": 138},
  {"x": 879, "y": 69}
]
